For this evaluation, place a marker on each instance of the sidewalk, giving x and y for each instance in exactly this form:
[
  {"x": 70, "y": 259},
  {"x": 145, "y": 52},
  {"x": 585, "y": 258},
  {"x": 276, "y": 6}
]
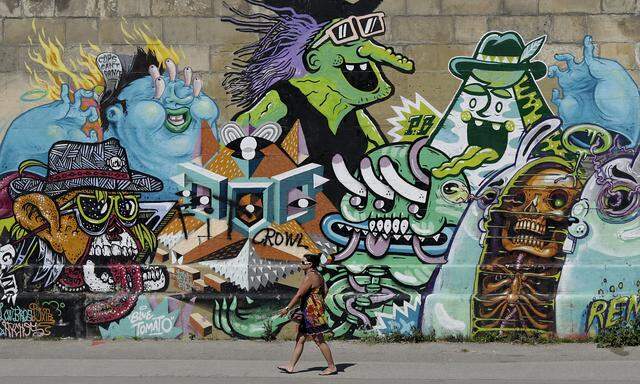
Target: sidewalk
[{"x": 84, "y": 362}]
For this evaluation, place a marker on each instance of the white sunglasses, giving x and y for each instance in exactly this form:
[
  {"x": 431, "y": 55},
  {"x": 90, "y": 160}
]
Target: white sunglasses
[{"x": 353, "y": 28}]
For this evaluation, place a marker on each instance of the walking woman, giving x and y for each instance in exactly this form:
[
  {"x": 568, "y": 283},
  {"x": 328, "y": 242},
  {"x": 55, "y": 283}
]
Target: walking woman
[{"x": 311, "y": 316}]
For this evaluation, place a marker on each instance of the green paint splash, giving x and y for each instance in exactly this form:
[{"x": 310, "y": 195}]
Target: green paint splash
[{"x": 472, "y": 158}]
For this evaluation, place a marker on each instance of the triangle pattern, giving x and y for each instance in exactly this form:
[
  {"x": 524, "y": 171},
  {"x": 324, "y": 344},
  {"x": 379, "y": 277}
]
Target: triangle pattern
[
  {"x": 250, "y": 272},
  {"x": 224, "y": 164},
  {"x": 209, "y": 143},
  {"x": 290, "y": 142},
  {"x": 303, "y": 150},
  {"x": 180, "y": 179},
  {"x": 319, "y": 180},
  {"x": 277, "y": 163}
]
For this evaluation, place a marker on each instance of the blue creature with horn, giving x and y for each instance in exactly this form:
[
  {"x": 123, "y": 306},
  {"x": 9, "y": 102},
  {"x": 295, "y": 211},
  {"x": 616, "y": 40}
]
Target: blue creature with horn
[{"x": 157, "y": 115}]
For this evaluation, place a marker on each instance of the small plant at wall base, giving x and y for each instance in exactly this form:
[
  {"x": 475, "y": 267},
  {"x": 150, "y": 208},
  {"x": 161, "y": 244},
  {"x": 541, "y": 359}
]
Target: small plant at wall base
[
  {"x": 270, "y": 333},
  {"x": 515, "y": 338},
  {"x": 620, "y": 335},
  {"x": 396, "y": 336}
]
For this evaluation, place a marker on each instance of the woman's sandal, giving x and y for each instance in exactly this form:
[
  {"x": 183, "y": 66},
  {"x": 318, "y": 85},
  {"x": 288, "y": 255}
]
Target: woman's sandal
[{"x": 285, "y": 370}]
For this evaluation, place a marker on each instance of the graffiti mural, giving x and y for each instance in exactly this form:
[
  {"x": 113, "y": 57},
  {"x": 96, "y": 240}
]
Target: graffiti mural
[
  {"x": 139, "y": 199},
  {"x": 392, "y": 233},
  {"x": 132, "y": 98},
  {"x": 326, "y": 70},
  {"x": 496, "y": 103}
]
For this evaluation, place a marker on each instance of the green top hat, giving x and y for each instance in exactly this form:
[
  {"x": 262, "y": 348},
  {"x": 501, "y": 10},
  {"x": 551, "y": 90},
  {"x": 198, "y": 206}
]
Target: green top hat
[{"x": 501, "y": 52}]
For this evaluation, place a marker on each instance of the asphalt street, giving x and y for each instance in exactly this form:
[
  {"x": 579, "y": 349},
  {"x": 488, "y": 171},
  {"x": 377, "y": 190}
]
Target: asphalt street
[{"x": 163, "y": 362}]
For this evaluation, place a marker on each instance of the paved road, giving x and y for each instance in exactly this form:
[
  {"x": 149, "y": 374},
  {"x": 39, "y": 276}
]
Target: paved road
[{"x": 219, "y": 362}]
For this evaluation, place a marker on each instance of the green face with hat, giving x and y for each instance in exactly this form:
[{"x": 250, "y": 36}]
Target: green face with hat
[
  {"x": 500, "y": 60},
  {"x": 483, "y": 124}
]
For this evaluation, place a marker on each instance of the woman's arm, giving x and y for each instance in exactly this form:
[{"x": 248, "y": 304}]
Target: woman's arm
[{"x": 302, "y": 290}]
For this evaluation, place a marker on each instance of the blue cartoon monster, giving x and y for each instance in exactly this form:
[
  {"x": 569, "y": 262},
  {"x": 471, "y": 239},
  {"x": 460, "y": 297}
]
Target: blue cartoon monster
[
  {"x": 157, "y": 116},
  {"x": 597, "y": 91}
]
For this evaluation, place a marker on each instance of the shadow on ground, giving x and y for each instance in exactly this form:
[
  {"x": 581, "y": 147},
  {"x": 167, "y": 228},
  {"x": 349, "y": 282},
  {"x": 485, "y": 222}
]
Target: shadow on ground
[{"x": 341, "y": 368}]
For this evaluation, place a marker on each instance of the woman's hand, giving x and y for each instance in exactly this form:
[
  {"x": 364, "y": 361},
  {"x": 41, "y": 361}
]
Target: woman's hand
[{"x": 283, "y": 312}]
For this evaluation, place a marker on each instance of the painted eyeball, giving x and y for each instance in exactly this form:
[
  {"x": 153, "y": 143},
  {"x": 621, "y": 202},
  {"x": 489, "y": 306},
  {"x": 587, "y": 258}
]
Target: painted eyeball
[
  {"x": 357, "y": 202},
  {"x": 499, "y": 107},
  {"x": 455, "y": 191},
  {"x": 418, "y": 211},
  {"x": 303, "y": 203},
  {"x": 128, "y": 208},
  {"x": 473, "y": 102},
  {"x": 383, "y": 205},
  {"x": 558, "y": 199}
]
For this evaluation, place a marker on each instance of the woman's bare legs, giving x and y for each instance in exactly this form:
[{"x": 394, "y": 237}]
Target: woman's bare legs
[
  {"x": 326, "y": 352},
  {"x": 297, "y": 352}
]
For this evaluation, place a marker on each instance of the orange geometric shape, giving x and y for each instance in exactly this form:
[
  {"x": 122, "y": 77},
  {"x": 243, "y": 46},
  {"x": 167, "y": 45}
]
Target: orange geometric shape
[
  {"x": 209, "y": 145},
  {"x": 275, "y": 162},
  {"x": 224, "y": 165},
  {"x": 291, "y": 143}
]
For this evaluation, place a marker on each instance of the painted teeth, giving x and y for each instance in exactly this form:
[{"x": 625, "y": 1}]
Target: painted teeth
[
  {"x": 152, "y": 274},
  {"x": 395, "y": 228},
  {"x": 478, "y": 123},
  {"x": 350, "y": 67},
  {"x": 112, "y": 250},
  {"x": 496, "y": 126},
  {"x": 529, "y": 225},
  {"x": 363, "y": 67},
  {"x": 530, "y": 241},
  {"x": 176, "y": 119},
  {"x": 387, "y": 226},
  {"x": 404, "y": 225}
]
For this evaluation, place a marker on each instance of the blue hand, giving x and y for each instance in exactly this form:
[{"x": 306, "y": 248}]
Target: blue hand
[
  {"x": 32, "y": 133},
  {"x": 71, "y": 112},
  {"x": 597, "y": 91}
]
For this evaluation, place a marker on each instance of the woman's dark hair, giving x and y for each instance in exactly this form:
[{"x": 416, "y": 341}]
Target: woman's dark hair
[{"x": 313, "y": 258}]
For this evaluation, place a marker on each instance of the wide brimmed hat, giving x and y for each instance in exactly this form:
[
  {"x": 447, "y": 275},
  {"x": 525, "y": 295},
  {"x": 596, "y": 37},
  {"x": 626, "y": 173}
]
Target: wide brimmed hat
[
  {"x": 75, "y": 165},
  {"x": 498, "y": 51}
]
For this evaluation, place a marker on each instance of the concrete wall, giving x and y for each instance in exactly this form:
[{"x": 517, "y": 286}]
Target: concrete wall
[
  {"x": 431, "y": 32},
  {"x": 521, "y": 220}
]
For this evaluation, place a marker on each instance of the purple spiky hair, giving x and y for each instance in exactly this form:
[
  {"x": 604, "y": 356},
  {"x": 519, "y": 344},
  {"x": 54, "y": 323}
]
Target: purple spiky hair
[{"x": 277, "y": 56}]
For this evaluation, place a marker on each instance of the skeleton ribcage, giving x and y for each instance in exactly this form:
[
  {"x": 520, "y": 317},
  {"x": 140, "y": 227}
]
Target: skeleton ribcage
[{"x": 516, "y": 292}]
